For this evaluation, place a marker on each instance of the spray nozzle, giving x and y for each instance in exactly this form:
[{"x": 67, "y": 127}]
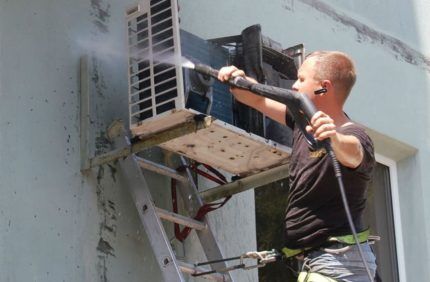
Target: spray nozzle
[{"x": 206, "y": 70}]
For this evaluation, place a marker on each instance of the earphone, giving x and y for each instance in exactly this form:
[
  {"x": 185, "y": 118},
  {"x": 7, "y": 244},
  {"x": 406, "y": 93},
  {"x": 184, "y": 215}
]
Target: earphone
[{"x": 320, "y": 91}]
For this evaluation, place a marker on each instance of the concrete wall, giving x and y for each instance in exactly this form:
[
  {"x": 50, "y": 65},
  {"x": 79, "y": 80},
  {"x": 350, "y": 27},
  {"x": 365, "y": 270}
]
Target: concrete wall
[
  {"x": 55, "y": 223},
  {"x": 389, "y": 42}
]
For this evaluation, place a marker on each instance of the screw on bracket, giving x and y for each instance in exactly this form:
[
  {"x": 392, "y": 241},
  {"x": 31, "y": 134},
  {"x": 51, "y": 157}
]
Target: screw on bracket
[{"x": 144, "y": 208}]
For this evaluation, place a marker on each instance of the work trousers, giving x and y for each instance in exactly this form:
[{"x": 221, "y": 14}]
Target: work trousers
[{"x": 341, "y": 263}]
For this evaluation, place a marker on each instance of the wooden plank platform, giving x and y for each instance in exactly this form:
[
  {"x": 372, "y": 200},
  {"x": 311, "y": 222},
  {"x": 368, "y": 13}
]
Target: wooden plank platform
[{"x": 220, "y": 145}]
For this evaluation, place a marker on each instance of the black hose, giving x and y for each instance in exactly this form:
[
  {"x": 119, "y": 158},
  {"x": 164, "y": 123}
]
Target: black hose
[{"x": 338, "y": 176}]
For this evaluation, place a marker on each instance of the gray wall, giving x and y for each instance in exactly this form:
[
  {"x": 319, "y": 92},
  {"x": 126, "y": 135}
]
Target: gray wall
[
  {"x": 389, "y": 42},
  {"x": 55, "y": 223}
]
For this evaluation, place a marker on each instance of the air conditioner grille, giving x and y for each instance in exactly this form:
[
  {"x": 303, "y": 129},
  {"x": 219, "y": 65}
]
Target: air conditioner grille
[{"x": 155, "y": 82}]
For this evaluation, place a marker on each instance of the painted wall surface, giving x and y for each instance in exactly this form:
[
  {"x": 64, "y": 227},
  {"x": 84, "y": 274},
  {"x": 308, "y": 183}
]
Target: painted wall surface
[
  {"x": 389, "y": 42},
  {"x": 55, "y": 223}
]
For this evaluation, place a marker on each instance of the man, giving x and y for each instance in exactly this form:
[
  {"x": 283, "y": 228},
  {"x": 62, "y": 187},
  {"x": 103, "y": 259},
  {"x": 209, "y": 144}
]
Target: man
[{"x": 315, "y": 221}]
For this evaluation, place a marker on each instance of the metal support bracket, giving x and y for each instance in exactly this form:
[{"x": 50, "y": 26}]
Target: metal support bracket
[
  {"x": 85, "y": 118},
  {"x": 246, "y": 183},
  {"x": 148, "y": 141}
]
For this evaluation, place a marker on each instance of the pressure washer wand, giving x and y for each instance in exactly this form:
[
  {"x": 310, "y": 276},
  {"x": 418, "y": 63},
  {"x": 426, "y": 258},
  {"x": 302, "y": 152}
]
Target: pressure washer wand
[
  {"x": 299, "y": 105},
  {"x": 292, "y": 99}
]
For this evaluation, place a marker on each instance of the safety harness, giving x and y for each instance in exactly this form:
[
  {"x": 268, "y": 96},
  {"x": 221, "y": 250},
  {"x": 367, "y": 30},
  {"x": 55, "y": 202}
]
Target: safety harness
[{"x": 347, "y": 240}]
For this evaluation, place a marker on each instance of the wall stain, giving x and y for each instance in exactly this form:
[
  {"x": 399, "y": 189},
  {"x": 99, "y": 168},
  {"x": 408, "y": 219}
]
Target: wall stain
[
  {"x": 100, "y": 175},
  {"x": 102, "y": 144},
  {"x": 101, "y": 13},
  {"x": 398, "y": 48},
  {"x": 102, "y": 269},
  {"x": 113, "y": 171},
  {"x": 97, "y": 78},
  {"x": 288, "y": 4},
  {"x": 107, "y": 225},
  {"x": 104, "y": 247}
]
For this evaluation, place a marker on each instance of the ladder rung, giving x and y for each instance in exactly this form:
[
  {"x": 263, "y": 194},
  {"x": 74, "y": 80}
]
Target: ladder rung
[
  {"x": 180, "y": 219},
  {"x": 191, "y": 269},
  {"x": 161, "y": 169}
]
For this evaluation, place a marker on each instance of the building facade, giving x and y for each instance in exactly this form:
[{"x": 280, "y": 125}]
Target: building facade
[{"x": 57, "y": 224}]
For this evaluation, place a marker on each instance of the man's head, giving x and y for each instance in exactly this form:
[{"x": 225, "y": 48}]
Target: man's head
[
  {"x": 330, "y": 70},
  {"x": 336, "y": 67}
]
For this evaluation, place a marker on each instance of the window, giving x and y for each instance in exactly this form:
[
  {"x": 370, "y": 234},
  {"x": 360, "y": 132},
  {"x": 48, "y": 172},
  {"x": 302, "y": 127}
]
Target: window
[{"x": 383, "y": 215}]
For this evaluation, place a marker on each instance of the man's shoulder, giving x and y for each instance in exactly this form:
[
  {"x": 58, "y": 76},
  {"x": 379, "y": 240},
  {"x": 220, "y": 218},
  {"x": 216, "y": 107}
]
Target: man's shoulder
[{"x": 352, "y": 128}]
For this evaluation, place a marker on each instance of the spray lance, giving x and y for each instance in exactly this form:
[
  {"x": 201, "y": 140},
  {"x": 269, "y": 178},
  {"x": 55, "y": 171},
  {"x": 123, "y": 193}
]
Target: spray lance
[
  {"x": 299, "y": 105},
  {"x": 302, "y": 109}
]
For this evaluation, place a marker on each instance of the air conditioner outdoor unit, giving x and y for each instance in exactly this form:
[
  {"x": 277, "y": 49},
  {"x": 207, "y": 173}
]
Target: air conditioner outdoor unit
[
  {"x": 158, "y": 95},
  {"x": 155, "y": 79}
]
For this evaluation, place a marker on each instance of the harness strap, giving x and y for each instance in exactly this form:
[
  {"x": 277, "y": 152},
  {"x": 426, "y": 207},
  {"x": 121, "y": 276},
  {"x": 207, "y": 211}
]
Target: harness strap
[
  {"x": 288, "y": 253},
  {"x": 346, "y": 239},
  {"x": 349, "y": 239}
]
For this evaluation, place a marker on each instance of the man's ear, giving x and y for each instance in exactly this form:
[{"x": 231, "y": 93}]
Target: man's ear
[{"x": 327, "y": 84}]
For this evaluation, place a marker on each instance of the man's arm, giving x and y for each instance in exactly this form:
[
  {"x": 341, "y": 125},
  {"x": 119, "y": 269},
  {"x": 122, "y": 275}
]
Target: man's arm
[
  {"x": 272, "y": 109},
  {"x": 347, "y": 148}
]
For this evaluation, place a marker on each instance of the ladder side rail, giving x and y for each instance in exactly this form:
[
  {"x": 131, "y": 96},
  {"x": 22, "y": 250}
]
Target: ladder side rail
[{"x": 148, "y": 215}]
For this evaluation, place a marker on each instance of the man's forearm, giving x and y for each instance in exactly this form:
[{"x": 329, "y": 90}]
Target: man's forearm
[{"x": 348, "y": 150}]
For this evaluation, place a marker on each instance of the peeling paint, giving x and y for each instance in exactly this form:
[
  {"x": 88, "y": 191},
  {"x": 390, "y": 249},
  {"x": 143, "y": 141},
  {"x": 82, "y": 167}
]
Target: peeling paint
[{"x": 398, "y": 48}]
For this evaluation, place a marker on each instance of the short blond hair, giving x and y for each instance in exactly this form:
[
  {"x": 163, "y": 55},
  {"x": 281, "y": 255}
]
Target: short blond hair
[{"x": 337, "y": 67}]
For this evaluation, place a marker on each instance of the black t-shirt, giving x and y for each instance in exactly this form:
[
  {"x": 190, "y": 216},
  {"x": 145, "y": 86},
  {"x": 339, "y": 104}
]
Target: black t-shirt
[{"x": 315, "y": 210}]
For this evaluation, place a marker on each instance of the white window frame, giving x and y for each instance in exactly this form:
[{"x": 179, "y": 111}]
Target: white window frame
[{"x": 392, "y": 165}]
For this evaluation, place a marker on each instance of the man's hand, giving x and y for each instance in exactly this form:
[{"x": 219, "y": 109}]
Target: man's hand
[
  {"x": 225, "y": 73},
  {"x": 321, "y": 126},
  {"x": 268, "y": 107}
]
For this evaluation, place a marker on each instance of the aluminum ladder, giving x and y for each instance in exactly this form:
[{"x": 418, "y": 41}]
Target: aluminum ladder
[{"x": 151, "y": 216}]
